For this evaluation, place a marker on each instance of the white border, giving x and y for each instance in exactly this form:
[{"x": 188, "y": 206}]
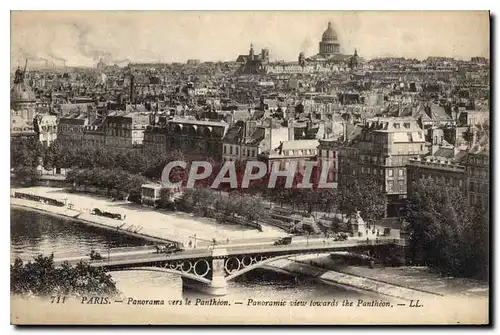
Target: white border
[{"x": 189, "y": 5}]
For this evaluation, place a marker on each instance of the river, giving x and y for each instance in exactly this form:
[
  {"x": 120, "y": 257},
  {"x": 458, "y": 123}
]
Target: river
[{"x": 33, "y": 234}]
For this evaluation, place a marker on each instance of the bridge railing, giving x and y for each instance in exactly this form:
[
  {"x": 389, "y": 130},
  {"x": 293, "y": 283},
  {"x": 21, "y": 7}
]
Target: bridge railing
[{"x": 224, "y": 250}]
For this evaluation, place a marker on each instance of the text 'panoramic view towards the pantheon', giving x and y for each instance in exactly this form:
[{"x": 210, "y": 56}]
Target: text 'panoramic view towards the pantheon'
[{"x": 255, "y": 112}]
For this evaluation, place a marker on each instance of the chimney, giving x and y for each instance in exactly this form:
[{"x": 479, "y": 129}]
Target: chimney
[
  {"x": 131, "y": 88},
  {"x": 291, "y": 130},
  {"x": 270, "y": 136},
  {"x": 434, "y": 148},
  {"x": 249, "y": 129}
]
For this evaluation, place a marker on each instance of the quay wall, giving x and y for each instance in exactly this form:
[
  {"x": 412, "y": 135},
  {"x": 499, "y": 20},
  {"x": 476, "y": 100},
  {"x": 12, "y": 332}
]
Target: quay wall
[{"x": 83, "y": 218}]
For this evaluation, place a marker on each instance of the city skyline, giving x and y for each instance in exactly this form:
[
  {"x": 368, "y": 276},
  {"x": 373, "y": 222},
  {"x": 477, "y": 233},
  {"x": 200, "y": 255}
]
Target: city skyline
[{"x": 82, "y": 38}]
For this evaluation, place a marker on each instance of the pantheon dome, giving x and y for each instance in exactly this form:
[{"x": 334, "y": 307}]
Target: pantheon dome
[
  {"x": 329, "y": 35},
  {"x": 329, "y": 44}
]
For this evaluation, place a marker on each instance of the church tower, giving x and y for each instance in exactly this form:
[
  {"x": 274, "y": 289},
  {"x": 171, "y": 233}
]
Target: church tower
[{"x": 251, "y": 53}]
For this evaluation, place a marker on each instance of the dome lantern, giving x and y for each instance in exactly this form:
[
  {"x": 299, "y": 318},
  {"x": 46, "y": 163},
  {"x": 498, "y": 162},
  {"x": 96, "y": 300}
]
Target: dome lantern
[{"x": 329, "y": 35}]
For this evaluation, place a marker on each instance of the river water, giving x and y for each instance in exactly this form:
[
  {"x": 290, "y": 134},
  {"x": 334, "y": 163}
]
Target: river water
[{"x": 33, "y": 234}]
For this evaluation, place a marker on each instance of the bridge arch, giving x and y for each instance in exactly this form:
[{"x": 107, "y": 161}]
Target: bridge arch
[
  {"x": 167, "y": 270},
  {"x": 244, "y": 269}
]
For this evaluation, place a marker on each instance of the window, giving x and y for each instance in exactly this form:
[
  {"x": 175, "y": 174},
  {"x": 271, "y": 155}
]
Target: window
[
  {"x": 396, "y": 125},
  {"x": 389, "y": 172},
  {"x": 334, "y": 154},
  {"x": 368, "y": 171},
  {"x": 334, "y": 165},
  {"x": 401, "y": 186},
  {"x": 401, "y": 172},
  {"x": 225, "y": 149},
  {"x": 327, "y": 153},
  {"x": 236, "y": 150},
  {"x": 231, "y": 150},
  {"x": 390, "y": 185}
]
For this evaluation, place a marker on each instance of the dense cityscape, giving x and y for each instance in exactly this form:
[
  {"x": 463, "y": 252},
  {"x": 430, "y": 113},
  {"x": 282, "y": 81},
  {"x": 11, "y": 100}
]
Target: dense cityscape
[{"x": 406, "y": 143}]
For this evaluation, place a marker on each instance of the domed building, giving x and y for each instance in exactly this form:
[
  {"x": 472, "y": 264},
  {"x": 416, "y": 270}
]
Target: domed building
[
  {"x": 25, "y": 123},
  {"x": 329, "y": 44},
  {"x": 21, "y": 95},
  {"x": 329, "y": 49}
]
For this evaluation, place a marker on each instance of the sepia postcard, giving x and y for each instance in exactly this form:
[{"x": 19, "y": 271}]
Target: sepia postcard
[{"x": 250, "y": 167}]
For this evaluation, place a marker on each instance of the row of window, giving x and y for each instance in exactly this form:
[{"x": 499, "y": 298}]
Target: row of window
[
  {"x": 300, "y": 152},
  {"x": 478, "y": 173},
  {"x": 400, "y": 186},
  {"x": 328, "y": 153},
  {"x": 448, "y": 180},
  {"x": 158, "y": 139},
  {"x": 70, "y": 128},
  {"x": 119, "y": 132},
  {"x": 120, "y": 125},
  {"x": 246, "y": 152},
  {"x": 479, "y": 187},
  {"x": 481, "y": 160}
]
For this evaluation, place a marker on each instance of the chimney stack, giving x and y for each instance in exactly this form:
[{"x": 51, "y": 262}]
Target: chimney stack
[
  {"x": 291, "y": 130},
  {"x": 131, "y": 88}
]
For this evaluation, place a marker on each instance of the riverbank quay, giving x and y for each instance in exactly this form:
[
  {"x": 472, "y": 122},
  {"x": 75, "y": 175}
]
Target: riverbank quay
[
  {"x": 299, "y": 265},
  {"x": 139, "y": 221},
  {"x": 417, "y": 278},
  {"x": 78, "y": 217}
]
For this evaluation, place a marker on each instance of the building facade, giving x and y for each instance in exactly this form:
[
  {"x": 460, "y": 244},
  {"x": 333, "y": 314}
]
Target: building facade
[
  {"x": 196, "y": 138},
  {"x": 94, "y": 135},
  {"x": 478, "y": 176},
  {"x": 155, "y": 138},
  {"x": 292, "y": 152},
  {"x": 438, "y": 169},
  {"x": 380, "y": 152},
  {"x": 328, "y": 153},
  {"x": 45, "y": 127},
  {"x": 71, "y": 127},
  {"x": 125, "y": 130}
]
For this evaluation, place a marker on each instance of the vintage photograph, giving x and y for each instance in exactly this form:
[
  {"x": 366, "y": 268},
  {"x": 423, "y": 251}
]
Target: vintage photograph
[{"x": 249, "y": 167}]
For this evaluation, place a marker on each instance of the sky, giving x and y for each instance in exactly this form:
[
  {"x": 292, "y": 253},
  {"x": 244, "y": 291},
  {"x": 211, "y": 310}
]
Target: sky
[{"x": 81, "y": 38}]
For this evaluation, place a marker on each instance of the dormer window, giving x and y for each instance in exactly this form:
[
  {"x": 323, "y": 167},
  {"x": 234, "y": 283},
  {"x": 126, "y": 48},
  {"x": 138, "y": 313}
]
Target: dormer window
[{"x": 396, "y": 125}]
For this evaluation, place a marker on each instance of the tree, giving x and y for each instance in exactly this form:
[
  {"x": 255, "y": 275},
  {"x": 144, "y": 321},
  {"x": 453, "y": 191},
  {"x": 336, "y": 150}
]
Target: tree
[
  {"x": 251, "y": 207},
  {"x": 165, "y": 201},
  {"x": 445, "y": 232},
  {"x": 41, "y": 278},
  {"x": 27, "y": 175},
  {"x": 364, "y": 196},
  {"x": 26, "y": 152}
]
